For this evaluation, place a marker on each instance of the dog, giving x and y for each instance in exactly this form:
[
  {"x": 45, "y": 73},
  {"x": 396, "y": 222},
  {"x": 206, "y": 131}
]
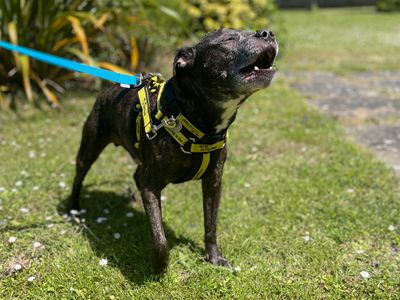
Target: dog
[{"x": 210, "y": 81}]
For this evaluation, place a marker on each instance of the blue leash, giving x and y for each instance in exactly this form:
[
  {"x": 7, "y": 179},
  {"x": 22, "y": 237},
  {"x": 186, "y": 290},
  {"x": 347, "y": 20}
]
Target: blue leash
[{"x": 74, "y": 66}]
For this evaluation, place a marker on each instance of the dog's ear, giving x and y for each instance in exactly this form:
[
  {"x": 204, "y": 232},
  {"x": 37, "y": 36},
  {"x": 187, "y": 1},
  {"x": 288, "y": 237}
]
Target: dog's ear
[{"x": 184, "y": 59}]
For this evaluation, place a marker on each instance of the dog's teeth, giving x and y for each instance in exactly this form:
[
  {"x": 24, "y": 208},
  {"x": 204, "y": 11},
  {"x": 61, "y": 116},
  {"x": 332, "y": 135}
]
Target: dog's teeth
[{"x": 256, "y": 68}]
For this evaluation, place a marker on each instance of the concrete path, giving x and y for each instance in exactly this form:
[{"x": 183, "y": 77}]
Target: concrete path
[{"x": 366, "y": 104}]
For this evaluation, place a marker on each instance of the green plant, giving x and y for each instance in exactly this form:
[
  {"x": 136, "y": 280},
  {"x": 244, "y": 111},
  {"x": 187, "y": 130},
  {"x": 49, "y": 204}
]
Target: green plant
[
  {"x": 388, "y": 5},
  {"x": 157, "y": 25},
  {"x": 107, "y": 34},
  {"x": 64, "y": 28},
  {"x": 213, "y": 14}
]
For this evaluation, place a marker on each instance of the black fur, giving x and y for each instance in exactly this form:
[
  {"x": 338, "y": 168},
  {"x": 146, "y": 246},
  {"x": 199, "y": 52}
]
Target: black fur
[{"x": 206, "y": 77}]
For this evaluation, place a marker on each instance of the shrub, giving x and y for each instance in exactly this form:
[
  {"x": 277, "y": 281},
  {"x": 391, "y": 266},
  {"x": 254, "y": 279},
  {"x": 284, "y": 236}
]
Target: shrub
[
  {"x": 213, "y": 14},
  {"x": 63, "y": 28},
  {"x": 388, "y": 5},
  {"x": 90, "y": 31},
  {"x": 107, "y": 33}
]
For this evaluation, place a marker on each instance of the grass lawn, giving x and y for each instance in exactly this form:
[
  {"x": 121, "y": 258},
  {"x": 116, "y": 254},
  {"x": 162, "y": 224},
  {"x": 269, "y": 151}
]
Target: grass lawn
[
  {"x": 304, "y": 212},
  {"x": 342, "y": 40}
]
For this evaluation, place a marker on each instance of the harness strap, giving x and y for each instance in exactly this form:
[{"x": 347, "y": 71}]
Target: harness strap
[
  {"x": 189, "y": 126},
  {"x": 138, "y": 121},
  {"x": 144, "y": 103},
  {"x": 203, "y": 166},
  {"x": 173, "y": 125}
]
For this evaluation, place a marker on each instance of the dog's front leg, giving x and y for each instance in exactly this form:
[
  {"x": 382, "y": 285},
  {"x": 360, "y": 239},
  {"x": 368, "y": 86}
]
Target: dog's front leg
[
  {"x": 211, "y": 197},
  {"x": 152, "y": 205}
]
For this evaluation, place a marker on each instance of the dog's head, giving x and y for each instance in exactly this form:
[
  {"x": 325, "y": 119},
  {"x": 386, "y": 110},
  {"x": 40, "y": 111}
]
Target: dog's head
[{"x": 229, "y": 62}]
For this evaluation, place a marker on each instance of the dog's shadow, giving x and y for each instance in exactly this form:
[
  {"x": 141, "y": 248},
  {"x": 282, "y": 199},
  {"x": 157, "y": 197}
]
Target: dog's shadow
[{"x": 123, "y": 237}]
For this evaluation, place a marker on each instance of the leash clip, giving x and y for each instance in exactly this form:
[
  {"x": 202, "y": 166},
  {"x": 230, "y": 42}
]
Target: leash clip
[
  {"x": 170, "y": 123},
  {"x": 150, "y": 136}
]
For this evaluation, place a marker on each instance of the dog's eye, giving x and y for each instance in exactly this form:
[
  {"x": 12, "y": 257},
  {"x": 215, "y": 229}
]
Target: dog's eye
[{"x": 229, "y": 39}]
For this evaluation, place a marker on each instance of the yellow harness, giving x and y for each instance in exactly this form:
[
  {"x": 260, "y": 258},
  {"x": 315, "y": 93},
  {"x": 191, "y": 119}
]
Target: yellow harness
[{"x": 173, "y": 125}]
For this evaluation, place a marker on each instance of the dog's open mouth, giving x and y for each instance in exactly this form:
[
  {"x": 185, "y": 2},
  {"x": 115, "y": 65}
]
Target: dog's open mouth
[{"x": 262, "y": 64}]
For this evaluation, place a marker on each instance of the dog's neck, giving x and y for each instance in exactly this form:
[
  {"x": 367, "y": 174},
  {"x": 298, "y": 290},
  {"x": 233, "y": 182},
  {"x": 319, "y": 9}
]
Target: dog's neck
[{"x": 213, "y": 114}]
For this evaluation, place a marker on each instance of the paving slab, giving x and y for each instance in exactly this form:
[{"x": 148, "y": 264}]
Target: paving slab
[{"x": 366, "y": 104}]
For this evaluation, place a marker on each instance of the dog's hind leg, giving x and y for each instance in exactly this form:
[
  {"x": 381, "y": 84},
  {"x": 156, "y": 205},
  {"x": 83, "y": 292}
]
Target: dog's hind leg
[
  {"x": 211, "y": 197},
  {"x": 92, "y": 143}
]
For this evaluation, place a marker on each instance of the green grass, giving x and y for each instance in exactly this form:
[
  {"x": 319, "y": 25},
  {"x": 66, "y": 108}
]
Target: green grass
[
  {"x": 291, "y": 173},
  {"x": 342, "y": 40}
]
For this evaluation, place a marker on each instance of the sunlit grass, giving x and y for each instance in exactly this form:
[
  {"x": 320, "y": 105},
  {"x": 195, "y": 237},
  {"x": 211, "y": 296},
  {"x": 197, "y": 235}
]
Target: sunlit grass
[
  {"x": 303, "y": 214},
  {"x": 342, "y": 40}
]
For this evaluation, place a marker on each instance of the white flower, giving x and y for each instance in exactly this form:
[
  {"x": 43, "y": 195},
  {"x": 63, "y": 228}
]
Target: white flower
[
  {"x": 74, "y": 212},
  {"x": 247, "y": 185},
  {"x": 62, "y": 184},
  {"x": 18, "y": 183},
  {"x": 14, "y": 190},
  {"x": 35, "y": 188},
  {"x": 350, "y": 191},
  {"x": 31, "y": 154},
  {"x": 62, "y": 232},
  {"x": 253, "y": 268},
  {"x": 24, "y": 173},
  {"x": 103, "y": 262},
  {"x": 17, "y": 267},
  {"x": 100, "y": 220},
  {"x": 360, "y": 251},
  {"x": 238, "y": 269},
  {"x": 129, "y": 214},
  {"x": 117, "y": 235},
  {"x": 24, "y": 210},
  {"x": 307, "y": 238},
  {"x": 12, "y": 239},
  {"x": 50, "y": 225},
  {"x": 31, "y": 278},
  {"x": 391, "y": 228},
  {"x": 365, "y": 274},
  {"x": 36, "y": 244},
  {"x": 2, "y": 189}
]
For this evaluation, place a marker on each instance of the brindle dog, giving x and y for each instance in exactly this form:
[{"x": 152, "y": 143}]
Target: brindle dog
[{"x": 211, "y": 80}]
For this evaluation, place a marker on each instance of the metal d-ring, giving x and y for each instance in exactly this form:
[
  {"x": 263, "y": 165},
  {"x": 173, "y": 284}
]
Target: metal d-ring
[
  {"x": 170, "y": 122},
  {"x": 152, "y": 135}
]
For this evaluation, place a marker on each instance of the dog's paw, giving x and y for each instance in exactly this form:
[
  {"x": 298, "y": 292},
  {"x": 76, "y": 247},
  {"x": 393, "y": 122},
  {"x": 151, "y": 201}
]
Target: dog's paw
[{"x": 219, "y": 260}]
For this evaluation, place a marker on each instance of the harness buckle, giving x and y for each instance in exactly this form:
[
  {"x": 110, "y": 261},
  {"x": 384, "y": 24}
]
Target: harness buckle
[
  {"x": 185, "y": 151},
  {"x": 170, "y": 122}
]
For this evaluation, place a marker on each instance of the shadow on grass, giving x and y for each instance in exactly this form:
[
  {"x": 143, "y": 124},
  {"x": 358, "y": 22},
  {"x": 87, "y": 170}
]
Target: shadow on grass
[{"x": 131, "y": 253}]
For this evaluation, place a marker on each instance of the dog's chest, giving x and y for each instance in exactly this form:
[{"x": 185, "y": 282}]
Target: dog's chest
[{"x": 229, "y": 109}]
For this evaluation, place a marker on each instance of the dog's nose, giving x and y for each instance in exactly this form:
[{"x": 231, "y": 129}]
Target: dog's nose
[{"x": 265, "y": 34}]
